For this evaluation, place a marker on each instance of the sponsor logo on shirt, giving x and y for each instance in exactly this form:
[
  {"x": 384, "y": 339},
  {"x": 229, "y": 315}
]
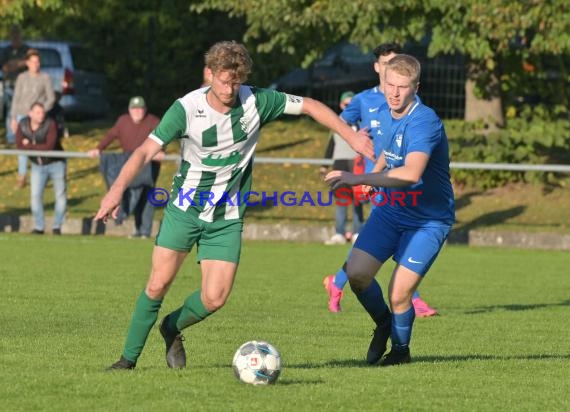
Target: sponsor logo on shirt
[
  {"x": 218, "y": 160},
  {"x": 392, "y": 156},
  {"x": 199, "y": 113}
]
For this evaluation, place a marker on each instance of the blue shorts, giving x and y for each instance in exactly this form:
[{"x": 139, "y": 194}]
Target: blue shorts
[{"x": 412, "y": 247}]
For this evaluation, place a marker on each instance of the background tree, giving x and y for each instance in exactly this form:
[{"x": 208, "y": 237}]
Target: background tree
[
  {"x": 154, "y": 48},
  {"x": 494, "y": 35},
  {"x": 515, "y": 50}
]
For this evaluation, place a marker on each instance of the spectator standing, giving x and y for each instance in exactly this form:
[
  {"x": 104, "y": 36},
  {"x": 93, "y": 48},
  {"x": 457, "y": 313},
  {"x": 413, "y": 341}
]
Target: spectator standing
[
  {"x": 39, "y": 132},
  {"x": 343, "y": 159},
  {"x": 13, "y": 62},
  {"x": 32, "y": 86},
  {"x": 131, "y": 130}
]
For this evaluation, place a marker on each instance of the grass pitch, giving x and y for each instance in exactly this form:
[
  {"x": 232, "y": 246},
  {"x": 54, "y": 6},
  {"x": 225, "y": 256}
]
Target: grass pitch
[{"x": 501, "y": 342}]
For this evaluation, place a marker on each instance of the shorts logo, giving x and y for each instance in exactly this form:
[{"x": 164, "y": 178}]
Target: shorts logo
[{"x": 413, "y": 261}]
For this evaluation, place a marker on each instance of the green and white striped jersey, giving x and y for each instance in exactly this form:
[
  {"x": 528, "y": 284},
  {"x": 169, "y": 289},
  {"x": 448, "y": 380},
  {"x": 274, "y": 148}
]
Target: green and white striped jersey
[{"x": 217, "y": 149}]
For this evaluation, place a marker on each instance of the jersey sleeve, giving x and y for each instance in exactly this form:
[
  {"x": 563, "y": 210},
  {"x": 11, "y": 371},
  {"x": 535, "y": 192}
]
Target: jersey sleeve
[
  {"x": 271, "y": 104},
  {"x": 172, "y": 126},
  {"x": 425, "y": 134},
  {"x": 352, "y": 113}
]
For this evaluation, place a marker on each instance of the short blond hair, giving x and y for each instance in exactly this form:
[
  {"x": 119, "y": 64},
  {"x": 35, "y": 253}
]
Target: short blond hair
[
  {"x": 229, "y": 56},
  {"x": 406, "y": 65}
]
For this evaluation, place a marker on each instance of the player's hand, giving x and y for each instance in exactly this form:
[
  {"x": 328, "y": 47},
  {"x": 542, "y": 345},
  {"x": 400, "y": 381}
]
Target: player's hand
[
  {"x": 110, "y": 205},
  {"x": 367, "y": 189},
  {"x": 364, "y": 132},
  {"x": 93, "y": 153},
  {"x": 159, "y": 157},
  {"x": 337, "y": 178},
  {"x": 363, "y": 145}
]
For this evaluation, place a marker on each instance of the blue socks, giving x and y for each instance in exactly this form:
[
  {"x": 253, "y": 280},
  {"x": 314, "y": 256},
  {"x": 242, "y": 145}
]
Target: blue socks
[
  {"x": 373, "y": 302},
  {"x": 416, "y": 295},
  {"x": 402, "y": 329},
  {"x": 340, "y": 278}
]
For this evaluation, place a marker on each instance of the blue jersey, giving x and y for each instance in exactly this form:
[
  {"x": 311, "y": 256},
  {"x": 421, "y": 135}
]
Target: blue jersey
[
  {"x": 430, "y": 200},
  {"x": 363, "y": 111}
]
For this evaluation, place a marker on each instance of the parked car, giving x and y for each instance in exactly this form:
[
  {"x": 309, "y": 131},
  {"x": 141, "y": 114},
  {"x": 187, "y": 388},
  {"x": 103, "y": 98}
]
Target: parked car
[
  {"x": 76, "y": 76},
  {"x": 346, "y": 67}
]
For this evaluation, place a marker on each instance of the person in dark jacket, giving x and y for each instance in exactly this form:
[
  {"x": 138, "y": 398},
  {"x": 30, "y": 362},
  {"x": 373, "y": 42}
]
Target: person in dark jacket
[
  {"x": 39, "y": 132},
  {"x": 131, "y": 130}
]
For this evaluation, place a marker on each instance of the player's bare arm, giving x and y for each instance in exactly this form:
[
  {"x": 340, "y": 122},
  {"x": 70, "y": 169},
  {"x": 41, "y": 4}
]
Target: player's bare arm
[
  {"x": 325, "y": 116},
  {"x": 406, "y": 175},
  {"x": 378, "y": 167},
  {"x": 140, "y": 157}
]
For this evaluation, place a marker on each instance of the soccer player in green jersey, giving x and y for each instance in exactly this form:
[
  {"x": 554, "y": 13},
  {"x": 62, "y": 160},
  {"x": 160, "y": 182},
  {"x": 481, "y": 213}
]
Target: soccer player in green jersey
[{"x": 218, "y": 129}]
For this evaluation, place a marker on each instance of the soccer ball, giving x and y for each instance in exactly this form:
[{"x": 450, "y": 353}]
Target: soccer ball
[{"x": 257, "y": 363}]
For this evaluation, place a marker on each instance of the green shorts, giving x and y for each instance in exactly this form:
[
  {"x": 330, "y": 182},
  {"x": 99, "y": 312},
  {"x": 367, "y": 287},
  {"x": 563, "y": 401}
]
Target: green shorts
[{"x": 219, "y": 240}]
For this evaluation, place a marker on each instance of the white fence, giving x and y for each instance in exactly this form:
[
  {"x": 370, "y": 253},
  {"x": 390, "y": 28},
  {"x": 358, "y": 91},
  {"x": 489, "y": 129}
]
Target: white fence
[{"x": 286, "y": 160}]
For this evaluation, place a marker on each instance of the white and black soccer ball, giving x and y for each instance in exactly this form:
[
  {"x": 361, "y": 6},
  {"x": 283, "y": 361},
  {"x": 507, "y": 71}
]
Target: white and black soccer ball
[{"x": 257, "y": 363}]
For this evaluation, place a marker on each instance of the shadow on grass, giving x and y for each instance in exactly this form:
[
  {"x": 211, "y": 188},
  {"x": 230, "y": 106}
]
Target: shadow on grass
[
  {"x": 460, "y": 233},
  {"x": 352, "y": 363},
  {"x": 332, "y": 363},
  {"x": 9, "y": 172},
  {"x": 282, "y": 146},
  {"x": 466, "y": 358},
  {"x": 515, "y": 307},
  {"x": 465, "y": 200},
  {"x": 82, "y": 173},
  {"x": 299, "y": 381}
]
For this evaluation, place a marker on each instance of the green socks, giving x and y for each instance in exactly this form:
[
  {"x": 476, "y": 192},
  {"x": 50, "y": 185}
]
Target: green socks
[
  {"x": 144, "y": 318},
  {"x": 146, "y": 314},
  {"x": 193, "y": 311}
]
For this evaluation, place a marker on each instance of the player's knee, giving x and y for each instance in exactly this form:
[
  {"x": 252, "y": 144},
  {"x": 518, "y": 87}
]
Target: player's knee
[
  {"x": 213, "y": 301},
  {"x": 400, "y": 302},
  {"x": 358, "y": 279},
  {"x": 156, "y": 289}
]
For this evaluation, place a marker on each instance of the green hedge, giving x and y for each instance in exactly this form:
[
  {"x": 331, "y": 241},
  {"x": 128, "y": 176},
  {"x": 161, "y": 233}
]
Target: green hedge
[{"x": 532, "y": 138}]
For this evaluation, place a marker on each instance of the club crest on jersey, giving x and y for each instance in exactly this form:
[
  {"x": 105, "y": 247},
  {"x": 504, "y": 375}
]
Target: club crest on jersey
[
  {"x": 399, "y": 139},
  {"x": 244, "y": 123}
]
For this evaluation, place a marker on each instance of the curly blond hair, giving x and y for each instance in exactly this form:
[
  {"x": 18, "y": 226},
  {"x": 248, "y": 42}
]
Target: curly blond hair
[{"x": 229, "y": 56}]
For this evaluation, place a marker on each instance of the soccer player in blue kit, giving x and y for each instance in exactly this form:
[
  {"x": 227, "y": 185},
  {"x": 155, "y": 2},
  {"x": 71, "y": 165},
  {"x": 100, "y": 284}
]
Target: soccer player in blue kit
[
  {"x": 363, "y": 111},
  {"x": 413, "y": 224}
]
